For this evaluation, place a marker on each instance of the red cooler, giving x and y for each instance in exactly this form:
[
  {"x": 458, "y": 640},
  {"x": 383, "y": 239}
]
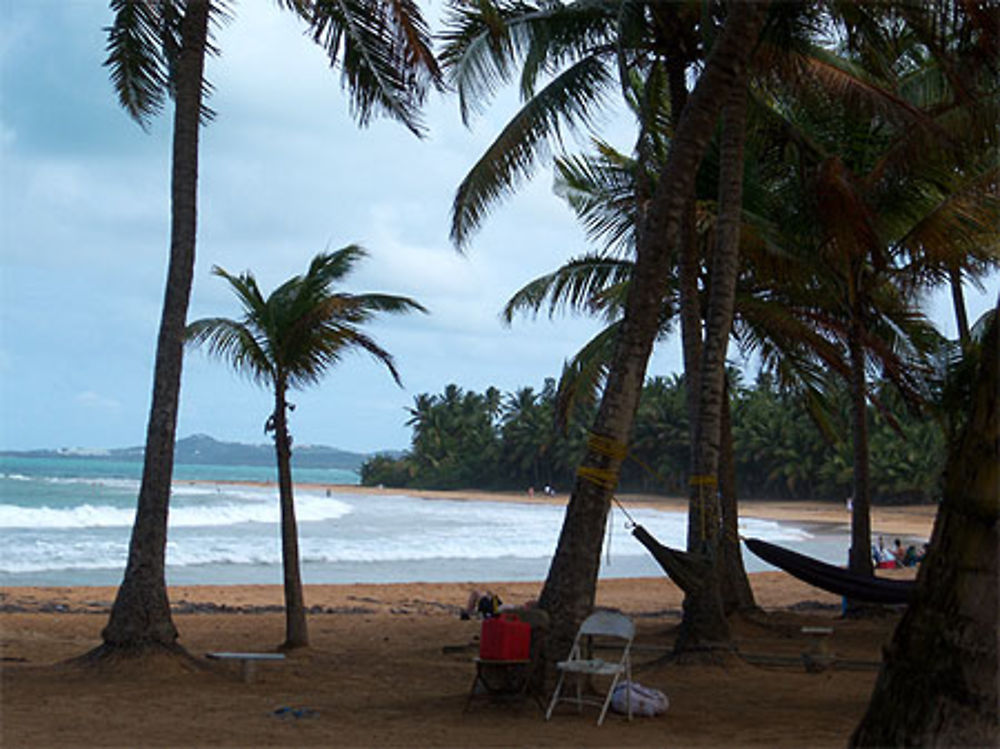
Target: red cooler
[{"x": 505, "y": 638}]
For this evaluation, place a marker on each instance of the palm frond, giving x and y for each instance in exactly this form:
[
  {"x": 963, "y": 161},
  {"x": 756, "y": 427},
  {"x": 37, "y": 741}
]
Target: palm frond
[
  {"x": 236, "y": 343},
  {"x": 583, "y": 376},
  {"x": 303, "y": 327},
  {"x": 601, "y": 190},
  {"x": 486, "y": 42},
  {"x": 383, "y": 50},
  {"x": 136, "y": 56},
  {"x": 959, "y": 223},
  {"x": 577, "y": 285},
  {"x": 246, "y": 290},
  {"x": 566, "y": 101}
]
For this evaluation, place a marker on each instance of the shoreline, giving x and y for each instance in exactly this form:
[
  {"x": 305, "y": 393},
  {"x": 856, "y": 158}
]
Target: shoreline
[
  {"x": 915, "y": 521},
  {"x": 816, "y": 529}
]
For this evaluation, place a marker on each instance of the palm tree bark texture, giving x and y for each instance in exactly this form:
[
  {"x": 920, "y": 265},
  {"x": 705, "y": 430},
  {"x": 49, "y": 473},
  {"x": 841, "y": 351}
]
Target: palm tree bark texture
[
  {"x": 569, "y": 590},
  {"x": 704, "y": 624},
  {"x": 140, "y": 617},
  {"x": 938, "y": 683},
  {"x": 296, "y": 631},
  {"x": 860, "y": 556},
  {"x": 737, "y": 595}
]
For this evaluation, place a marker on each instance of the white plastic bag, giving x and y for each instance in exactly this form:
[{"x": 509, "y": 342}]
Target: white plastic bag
[{"x": 645, "y": 700}]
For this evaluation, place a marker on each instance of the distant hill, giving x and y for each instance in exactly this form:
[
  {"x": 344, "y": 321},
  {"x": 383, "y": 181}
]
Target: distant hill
[{"x": 200, "y": 449}]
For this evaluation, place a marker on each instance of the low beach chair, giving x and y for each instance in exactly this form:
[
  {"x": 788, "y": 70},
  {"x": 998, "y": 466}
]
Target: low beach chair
[{"x": 604, "y": 624}]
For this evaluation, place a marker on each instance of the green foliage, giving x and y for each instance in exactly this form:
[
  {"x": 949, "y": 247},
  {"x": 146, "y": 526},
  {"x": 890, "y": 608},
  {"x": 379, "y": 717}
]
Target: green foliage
[
  {"x": 303, "y": 328},
  {"x": 513, "y": 441}
]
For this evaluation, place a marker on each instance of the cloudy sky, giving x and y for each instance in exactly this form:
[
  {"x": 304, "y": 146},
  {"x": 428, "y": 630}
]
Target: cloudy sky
[{"x": 285, "y": 173}]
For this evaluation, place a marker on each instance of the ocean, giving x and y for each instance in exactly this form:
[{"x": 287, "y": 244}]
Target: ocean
[{"x": 67, "y": 520}]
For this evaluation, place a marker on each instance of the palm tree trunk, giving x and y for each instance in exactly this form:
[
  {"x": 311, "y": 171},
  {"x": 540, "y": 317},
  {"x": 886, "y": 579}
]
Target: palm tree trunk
[
  {"x": 296, "y": 631},
  {"x": 688, "y": 267},
  {"x": 737, "y": 595},
  {"x": 938, "y": 683},
  {"x": 860, "y": 558},
  {"x": 568, "y": 593},
  {"x": 140, "y": 617},
  {"x": 958, "y": 302},
  {"x": 704, "y": 624}
]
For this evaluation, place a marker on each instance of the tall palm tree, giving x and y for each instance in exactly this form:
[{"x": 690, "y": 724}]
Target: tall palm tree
[
  {"x": 888, "y": 195},
  {"x": 156, "y": 49},
  {"x": 584, "y": 41},
  {"x": 938, "y": 682},
  {"x": 289, "y": 340}
]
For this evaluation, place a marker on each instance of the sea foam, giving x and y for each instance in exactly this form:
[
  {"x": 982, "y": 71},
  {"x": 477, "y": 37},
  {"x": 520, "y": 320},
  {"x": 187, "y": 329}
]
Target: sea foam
[{"x": 308, "y": 508}]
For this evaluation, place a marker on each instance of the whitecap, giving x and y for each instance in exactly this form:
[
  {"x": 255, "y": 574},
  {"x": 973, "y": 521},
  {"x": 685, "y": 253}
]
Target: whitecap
[{"x": 225, "y": 512}]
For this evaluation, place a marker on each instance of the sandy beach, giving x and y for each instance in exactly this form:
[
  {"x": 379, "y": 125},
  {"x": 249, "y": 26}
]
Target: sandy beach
[{"x": 391, "y": 665}]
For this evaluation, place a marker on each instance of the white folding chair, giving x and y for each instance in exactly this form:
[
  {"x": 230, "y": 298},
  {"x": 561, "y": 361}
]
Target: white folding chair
[{"x": 604, "y": 624}]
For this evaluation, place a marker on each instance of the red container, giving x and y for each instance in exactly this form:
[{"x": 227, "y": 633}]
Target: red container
[{"x": 505, "y": 638}]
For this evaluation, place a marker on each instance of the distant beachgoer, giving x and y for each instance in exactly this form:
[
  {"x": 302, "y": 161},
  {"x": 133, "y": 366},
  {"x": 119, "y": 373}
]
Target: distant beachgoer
[
  {"x": 850, "y": 504},
  {"x": 882, "y": 556},
  {"x": 482, "y": 603},
  {"x": 531, "y": 491},
  {"x": 898, "y": 552}
]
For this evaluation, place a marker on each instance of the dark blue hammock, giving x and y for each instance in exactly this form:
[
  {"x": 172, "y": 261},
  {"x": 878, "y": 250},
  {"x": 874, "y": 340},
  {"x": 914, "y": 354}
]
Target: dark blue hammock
[
  {"x": 831, "y": 578},
  {"x": 687, "y": 569}
]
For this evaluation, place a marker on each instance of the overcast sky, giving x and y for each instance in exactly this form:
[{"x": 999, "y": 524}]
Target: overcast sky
[{"x": 285, "y": 173}]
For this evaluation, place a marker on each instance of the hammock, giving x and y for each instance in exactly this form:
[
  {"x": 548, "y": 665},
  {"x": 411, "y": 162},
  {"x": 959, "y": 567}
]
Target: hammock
[
  {"x": 684, "y": 568},
  {"x": 833, "y": 579}
]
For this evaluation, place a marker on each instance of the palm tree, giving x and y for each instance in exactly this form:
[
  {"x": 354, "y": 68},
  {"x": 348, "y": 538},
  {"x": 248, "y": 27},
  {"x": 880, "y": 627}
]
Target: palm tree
[
  {"x": 157, "y": 49},
  {"x": 154, "y": 50},
  {"x": 289, "y": 340},
  {"x": 888, "y": 195},
  {"x": 938, "y": 682},
  {"x": 584, "y": 37}
]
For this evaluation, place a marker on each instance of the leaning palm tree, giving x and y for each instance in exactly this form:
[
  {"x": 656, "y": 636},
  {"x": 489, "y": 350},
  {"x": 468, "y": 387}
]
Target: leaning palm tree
[
  {"x": 584, "y": 47},
  {"x": 289, "y": 340},
  {"x": 156, "y": 50}
]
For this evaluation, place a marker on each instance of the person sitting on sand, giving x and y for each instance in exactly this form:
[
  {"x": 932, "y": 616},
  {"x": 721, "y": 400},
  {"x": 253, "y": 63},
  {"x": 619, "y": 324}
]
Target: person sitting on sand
[
  {"x": 882, "y": 557},
  {"x": 898, "y": 553},
  {"x": 481, "y": 603}
]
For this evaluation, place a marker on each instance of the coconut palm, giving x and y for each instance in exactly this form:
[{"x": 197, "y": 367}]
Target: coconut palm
[
  {"x": 289, "y": 340},
  {"x": 938, "y": 683},
  {"x": 156, "y": 50},
  {"x": 585, "y": 47},
  {"x": 885, "y": 201},
  {"x": 798, "y": 339}
]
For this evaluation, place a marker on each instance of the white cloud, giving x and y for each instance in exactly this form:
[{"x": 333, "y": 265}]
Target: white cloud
[{"x": 93, "y": 401}]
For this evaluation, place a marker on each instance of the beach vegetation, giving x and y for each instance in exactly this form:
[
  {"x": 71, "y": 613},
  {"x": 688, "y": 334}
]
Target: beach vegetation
[
  {"x": 588, "y": 51},
  {"x": 289, "y": 340},
  {"x": 779, "y": 449},
  {"x": 883, "y": 173},
  {"x": 938, "y": 682},
  {"x": 156, "y": 52}
]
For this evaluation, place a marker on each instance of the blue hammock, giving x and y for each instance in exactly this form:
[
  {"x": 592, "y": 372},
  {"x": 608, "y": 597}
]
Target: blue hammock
[{"x": 831, "y": 578}]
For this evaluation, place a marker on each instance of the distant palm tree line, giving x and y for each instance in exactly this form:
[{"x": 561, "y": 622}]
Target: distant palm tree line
[{"x": 512, "y": 441}]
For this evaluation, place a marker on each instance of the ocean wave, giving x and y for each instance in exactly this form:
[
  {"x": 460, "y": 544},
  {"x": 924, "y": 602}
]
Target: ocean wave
[
  {"x": 15, "y": 477},
  {"x": 309, "y": 508},
  {"x": 21, "y": 556},
  {"x": 237, "y": 528}
]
